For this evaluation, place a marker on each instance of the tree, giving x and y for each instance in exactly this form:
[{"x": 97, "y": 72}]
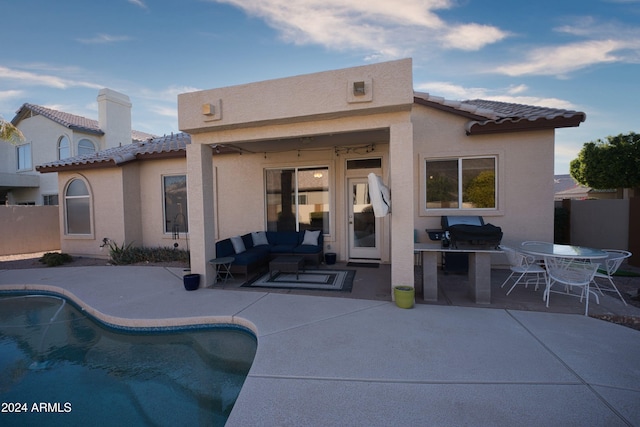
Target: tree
[
  {"x": 10, "y": 133},
  {"x": 614, "y": 163}
]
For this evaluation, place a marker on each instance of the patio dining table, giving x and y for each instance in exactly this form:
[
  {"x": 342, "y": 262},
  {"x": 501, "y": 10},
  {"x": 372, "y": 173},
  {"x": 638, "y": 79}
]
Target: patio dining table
[{"x": 544, "y": 249}]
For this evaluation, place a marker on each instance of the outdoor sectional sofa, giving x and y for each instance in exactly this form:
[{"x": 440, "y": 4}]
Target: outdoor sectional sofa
[{"x": 253, "y": 251}]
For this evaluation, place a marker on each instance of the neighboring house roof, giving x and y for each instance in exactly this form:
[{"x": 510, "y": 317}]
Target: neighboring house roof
[
  {"x": 565, "y": 187},
  {"x": 168, "y": 146},
  {"x": 70, "y": 121},
  {"x": 497, "y": 117}
]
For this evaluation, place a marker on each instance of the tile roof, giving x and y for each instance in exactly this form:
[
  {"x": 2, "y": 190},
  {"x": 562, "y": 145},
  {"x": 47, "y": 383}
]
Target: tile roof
[
  {"x": 494, "y": 117},
  {"x": 70, "y": 121},
  {"x": 167, "y": 146}
]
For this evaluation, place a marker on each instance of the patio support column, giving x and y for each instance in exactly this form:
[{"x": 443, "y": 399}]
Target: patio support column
[
  {"x": 402, "y": 208},
  {"x": 200, "y": 203}
]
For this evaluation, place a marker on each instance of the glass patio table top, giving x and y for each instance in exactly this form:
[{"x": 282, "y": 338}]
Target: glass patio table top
[{"x": 543, "y": 249}]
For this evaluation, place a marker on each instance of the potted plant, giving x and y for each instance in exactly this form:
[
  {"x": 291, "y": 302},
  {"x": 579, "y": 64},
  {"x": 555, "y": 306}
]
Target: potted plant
[
  {"x": 404, "y": 296},
  {"x": 191, "y": 281}
]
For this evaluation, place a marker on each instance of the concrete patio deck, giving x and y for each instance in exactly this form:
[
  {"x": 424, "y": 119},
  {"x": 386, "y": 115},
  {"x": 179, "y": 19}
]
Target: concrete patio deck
[{"x": 359, "y": 360}]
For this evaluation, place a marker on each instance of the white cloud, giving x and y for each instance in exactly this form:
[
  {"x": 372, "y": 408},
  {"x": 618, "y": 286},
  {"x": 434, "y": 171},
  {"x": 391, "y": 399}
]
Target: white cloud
[
  {"x": 559, "y": 60},
  {"x": 472, "y": 36},
  {"x": 138, "y": 3},
  {"x": 104, "y": 39},
  {"x": 36, "y": 79},
  {"x": 603, "y": 43},
  {"x": 382, "y": 28},
  {"x": 10, "y": 94}
]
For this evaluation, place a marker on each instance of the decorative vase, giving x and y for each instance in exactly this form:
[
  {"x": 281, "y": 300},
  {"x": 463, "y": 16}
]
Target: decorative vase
[
  {"x": 191, "y": 281},
  {"x": 404, "y": 296}
]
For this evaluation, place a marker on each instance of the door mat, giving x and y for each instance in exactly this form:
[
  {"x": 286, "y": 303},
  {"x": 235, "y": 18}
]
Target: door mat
[
  {"x": 363, "y": 264},
  {"x": 319, "y": 280}
]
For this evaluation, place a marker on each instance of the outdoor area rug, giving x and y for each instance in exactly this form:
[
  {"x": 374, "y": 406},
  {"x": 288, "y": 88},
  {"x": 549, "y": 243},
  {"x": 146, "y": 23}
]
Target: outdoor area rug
[{"x": 319, "y": 280}]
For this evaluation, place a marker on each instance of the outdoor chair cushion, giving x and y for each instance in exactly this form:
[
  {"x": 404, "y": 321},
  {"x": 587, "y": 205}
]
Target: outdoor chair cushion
[{"x": 238, "y": 244}]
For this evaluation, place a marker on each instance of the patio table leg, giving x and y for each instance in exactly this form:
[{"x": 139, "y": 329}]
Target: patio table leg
[
  {"x": 480, "y": 277},
  {"x": 430, "y": 276}
]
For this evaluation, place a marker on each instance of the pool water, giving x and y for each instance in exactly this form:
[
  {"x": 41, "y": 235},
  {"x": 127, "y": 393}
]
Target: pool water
[{"x": 60, "y": 367}]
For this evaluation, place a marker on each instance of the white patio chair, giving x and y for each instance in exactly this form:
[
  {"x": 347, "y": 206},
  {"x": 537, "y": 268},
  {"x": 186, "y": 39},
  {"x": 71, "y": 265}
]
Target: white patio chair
[
  {"x": 570, "y": 273},
  {"x": 611, "y": 265},
  {"x": 523, "y": 265},
  {"x": 538, "y": 260}
]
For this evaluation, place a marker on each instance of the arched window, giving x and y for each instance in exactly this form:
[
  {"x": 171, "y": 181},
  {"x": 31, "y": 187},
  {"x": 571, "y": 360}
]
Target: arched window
[
  {"x": 77, "y": 204},
  {"x": 64, "y": 149},
  {"x": 86, "y": 147}
]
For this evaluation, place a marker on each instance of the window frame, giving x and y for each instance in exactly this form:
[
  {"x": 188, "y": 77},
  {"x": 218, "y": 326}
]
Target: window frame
[
  {"x": 48, "y": 198},
  {"x": 297, "y": 196},
  {"x": 88, "y": 196},
  {"x": 498, "y": 209},
  {"x": 79, "y": 148},
  {"x": 22, "y": 157},
  {"x": 59, "y": 147},
  {"x": 166, "y": 229}
]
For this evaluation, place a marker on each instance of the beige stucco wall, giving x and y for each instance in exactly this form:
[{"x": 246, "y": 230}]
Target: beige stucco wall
[
  {"x": 28, "y": 229},
  {"x": 127, "y": 206},
  {"x": 525, "y": 174},
  {"x": 107, "y": 213},
  {"x": 151, "y": 202},
  {"x": 300, "y": 106},
  {"x": 327, "y": 94}
]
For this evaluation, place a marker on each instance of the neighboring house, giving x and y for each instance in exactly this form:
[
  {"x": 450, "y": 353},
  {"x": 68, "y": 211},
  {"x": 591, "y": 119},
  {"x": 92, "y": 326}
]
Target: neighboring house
[
  {"x": 52, "y": 135},
  {"x": 565, "y": 187},
  {"x": 295, "y": 153}
]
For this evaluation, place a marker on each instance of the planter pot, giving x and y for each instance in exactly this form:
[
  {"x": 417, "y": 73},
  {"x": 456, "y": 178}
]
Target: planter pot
[
  {"x": 191, "y": 281},
  {"x": 404, "y": 296},
  {"x": 330, "y": 258}
]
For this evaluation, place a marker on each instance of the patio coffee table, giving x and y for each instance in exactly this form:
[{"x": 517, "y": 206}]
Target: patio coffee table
[{"x": 286, "y": 264}]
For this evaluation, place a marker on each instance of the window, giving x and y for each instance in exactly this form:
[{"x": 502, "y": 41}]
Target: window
[
  {"x": 465, "y": 183},
  {"x": 24, "y": 156},
  {"x": 297, "y": 199},
  {"x": 50, "y": 200},
  {"x": 64, "y": 149},
  {"x": 175, "y": 204},
  {"x": 86, "y": 147},
  {"x": 77, "y": 208}
]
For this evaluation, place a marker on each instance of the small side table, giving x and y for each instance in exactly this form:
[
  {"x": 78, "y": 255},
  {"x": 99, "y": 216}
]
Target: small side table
[{"x": 223, "y": 267}]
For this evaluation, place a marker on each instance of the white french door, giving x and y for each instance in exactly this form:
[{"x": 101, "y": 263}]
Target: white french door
[{"x": 364, "y": 237}]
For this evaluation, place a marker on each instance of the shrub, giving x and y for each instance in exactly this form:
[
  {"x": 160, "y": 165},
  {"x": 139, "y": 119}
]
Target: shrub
[
  {"x": 129, "y": 254},
  {"x": 53, "y": 259}
]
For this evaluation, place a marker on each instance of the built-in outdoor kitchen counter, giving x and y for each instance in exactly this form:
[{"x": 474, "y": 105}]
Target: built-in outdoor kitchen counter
[{"x": 461, "y": 236}]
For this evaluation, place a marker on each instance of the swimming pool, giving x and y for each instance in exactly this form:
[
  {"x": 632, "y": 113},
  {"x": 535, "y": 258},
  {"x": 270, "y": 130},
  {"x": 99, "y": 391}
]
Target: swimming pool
[{"x": 60, "y": 367}]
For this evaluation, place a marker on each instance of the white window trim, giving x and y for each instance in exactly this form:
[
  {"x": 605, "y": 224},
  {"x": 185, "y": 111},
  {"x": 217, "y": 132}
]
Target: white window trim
[
  {"x": 500, "y": 184},
  {"x": 18, "y": 148},
  {"x": 70, "y": 147},
  {"x": 91, "y": 234}
]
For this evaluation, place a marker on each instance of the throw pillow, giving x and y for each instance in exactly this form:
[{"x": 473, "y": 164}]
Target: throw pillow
[
  {"x": 238, "y": 244},
  {"x": 259, "y": 238},
  {"x": 311, "y": 237}
]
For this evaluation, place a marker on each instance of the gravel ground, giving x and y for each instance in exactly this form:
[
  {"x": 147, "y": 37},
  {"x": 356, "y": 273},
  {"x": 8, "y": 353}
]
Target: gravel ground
[{"x": 16, "y": 262}]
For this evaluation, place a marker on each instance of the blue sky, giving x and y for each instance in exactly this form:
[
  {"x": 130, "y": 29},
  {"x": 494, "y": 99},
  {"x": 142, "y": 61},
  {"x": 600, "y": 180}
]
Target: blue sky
[{"x": 575, "y": 54}]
